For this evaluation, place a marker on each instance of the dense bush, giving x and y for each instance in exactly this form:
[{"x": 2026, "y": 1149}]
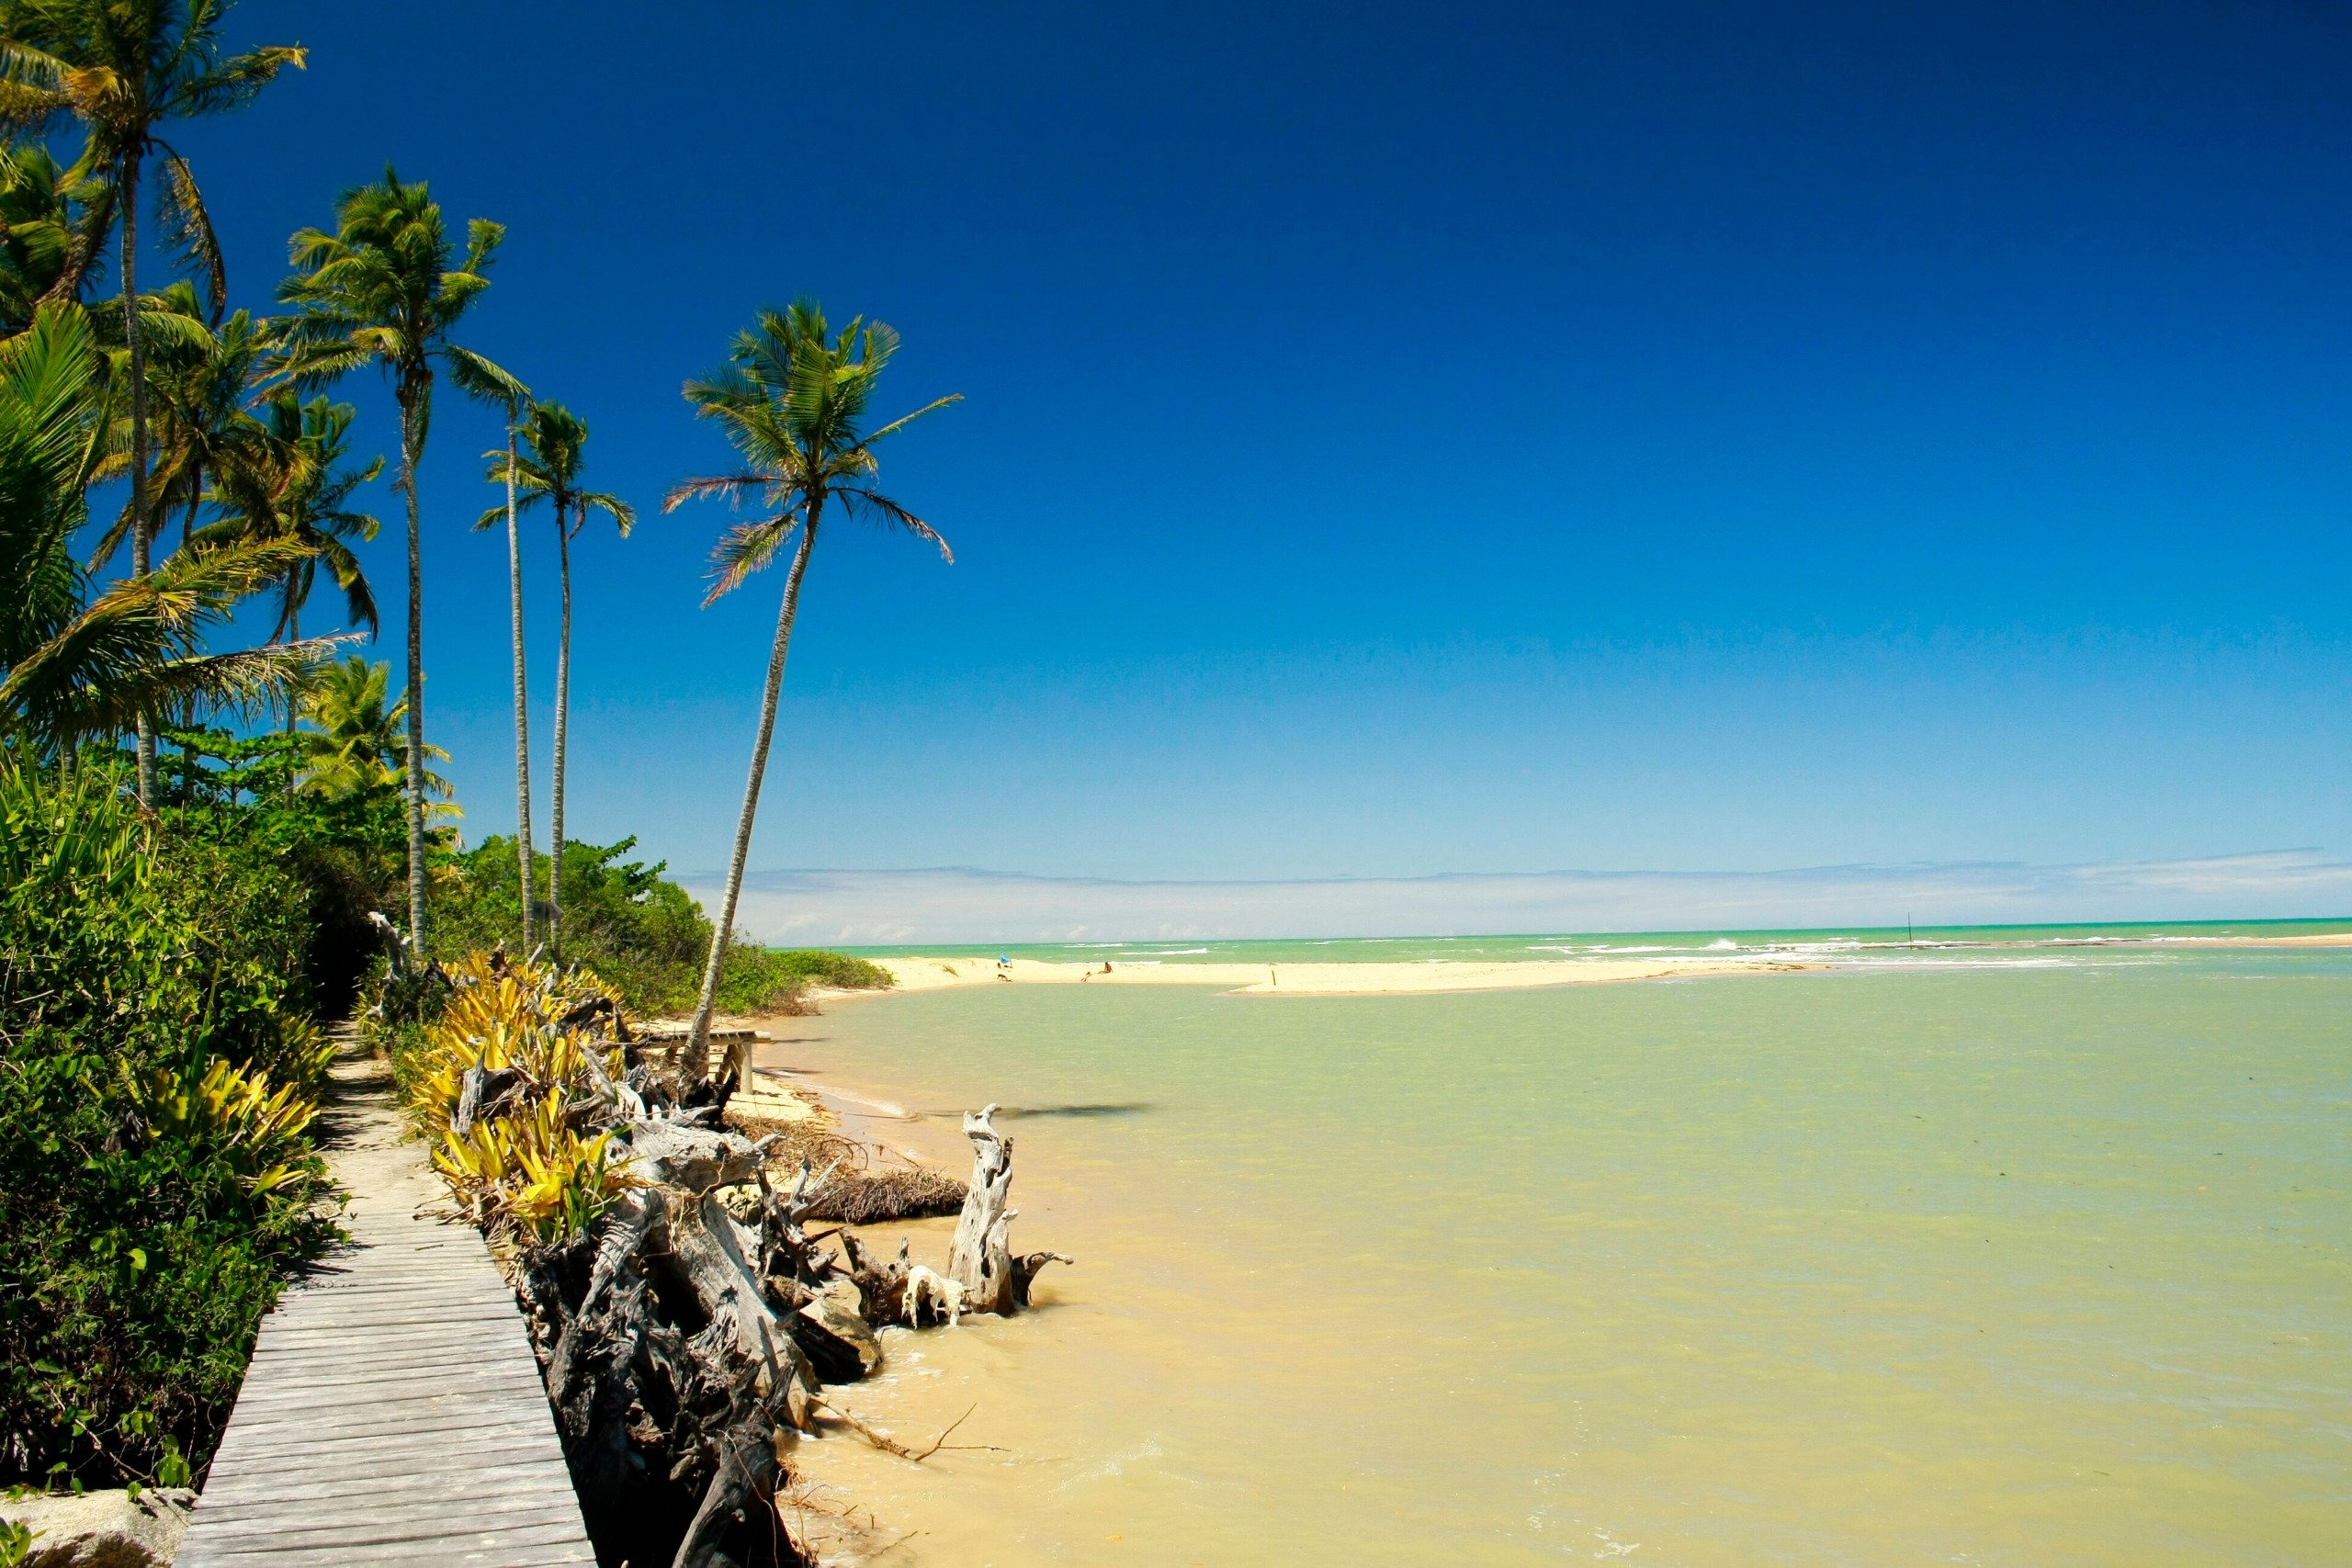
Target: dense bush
[
  {"x": 815, "y": 966},
  {"x": 640, "y": 933},
  {"x": 346, "y": 850},
  {"x": 157, "y": 1064}
]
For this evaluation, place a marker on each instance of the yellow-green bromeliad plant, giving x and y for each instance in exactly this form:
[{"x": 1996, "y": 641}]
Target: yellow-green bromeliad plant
[
  {"x": 235, "y": 1110},
  {"x": 523, "y": 1164}
]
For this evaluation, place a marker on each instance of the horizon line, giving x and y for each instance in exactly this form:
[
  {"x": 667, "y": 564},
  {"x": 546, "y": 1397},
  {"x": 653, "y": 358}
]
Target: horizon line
[{"x": 962, "y": 906}]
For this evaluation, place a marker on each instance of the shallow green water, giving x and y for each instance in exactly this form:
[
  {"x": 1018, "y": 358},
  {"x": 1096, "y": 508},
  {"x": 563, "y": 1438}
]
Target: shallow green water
[{"x": 1939, "y": 1264}]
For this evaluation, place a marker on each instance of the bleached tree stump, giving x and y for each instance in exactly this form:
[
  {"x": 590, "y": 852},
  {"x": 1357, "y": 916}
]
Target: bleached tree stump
[{"x": 980, "y": 1258}]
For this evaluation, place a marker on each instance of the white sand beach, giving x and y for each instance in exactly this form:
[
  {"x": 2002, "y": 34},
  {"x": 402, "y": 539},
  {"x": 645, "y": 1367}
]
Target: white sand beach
[{"x": 1362, "y": 979}]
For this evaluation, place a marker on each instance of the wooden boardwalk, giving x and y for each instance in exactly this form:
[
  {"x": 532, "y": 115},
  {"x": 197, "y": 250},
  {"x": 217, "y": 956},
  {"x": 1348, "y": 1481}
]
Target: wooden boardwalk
[{"x": 393, "y": 1411}]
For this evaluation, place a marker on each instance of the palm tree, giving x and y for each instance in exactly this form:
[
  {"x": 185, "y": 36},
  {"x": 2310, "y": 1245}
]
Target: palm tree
[
  {"x": 302, "y": 494},
  {"x": 74, "y": 671},
  {"x": 792, "y": 397},
  {"x": 306, "y": 496},
  {"x": 359, "y": 740},
  {"x": 503, "y": 466},
  {"x": 558, "y": 440},
  {"x": 200, "y": 379},
  {"x": 122, "y": 69},
  {"x": 380, "y": 290}
]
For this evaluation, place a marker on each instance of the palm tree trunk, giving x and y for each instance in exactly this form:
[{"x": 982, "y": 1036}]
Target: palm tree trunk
[
  {"x": 522, "y": 696},
  {"x": 293, "y": 634},
  {"x": 411, "y": 393},
  {"x": 699, "y": 1039},
  {"x": 140, "y": 532},
  {"x": 562, "y": 723}
]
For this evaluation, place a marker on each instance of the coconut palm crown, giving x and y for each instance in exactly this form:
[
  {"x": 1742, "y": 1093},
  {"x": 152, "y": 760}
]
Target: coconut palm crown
[
  {"x": 304, "y": 496},
  {"x": 74, "y": 671}
]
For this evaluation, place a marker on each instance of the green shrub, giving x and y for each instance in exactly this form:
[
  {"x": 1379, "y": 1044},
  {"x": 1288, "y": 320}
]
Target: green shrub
[
  {"x": 639, "y": 930},
  {"x": 816, "y": 967},
  {"x": 156, "y": 1182}
]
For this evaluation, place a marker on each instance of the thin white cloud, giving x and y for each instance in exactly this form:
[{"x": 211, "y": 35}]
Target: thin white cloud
[{"x": 898, "y": 908}]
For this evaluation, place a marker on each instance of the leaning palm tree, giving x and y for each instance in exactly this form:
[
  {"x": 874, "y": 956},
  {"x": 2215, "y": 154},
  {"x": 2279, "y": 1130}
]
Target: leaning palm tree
[
  {"x": 792, "y": 397},
  {"x": 122, "y": 69},
  {"x": 557, "y": 439},
  {"x": 381, "y": 291}
]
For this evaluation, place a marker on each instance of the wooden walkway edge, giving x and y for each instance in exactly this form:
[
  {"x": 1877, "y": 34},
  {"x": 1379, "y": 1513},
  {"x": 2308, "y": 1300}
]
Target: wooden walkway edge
[{"x": 393, "y": 1411}]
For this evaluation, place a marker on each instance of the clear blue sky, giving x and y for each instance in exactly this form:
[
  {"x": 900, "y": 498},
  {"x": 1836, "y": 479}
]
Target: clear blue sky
[{"x": 1404, "y": 439}]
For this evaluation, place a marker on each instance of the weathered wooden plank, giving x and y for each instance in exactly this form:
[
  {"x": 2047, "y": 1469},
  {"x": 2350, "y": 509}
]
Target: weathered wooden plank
[
  {"x": 353, "y": 1522},
  {"x": 409, "y": 1384},
  {"x": 336, "y": 1426},
  {"x": 509, "y": 1459},
  {"x": 393, "y": 1453},
  {"x": 551, "y": 1543}
]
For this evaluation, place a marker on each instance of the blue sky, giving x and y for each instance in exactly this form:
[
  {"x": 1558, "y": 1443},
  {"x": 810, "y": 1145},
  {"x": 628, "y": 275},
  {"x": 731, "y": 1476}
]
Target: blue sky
[{"x": 1403, "y": 440}]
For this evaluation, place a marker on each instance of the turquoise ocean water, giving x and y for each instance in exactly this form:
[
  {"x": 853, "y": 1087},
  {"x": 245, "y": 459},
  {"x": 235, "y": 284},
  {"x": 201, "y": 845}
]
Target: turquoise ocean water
[{"x": 1858, "y": 945}]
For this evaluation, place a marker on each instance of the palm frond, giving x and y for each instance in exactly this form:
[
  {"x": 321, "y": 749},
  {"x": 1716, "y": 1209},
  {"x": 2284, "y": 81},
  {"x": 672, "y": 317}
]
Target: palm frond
[
  {"x": 476, "y": 377},
  {"x": 744, "y": 549},
  {"x": 896, "y": 425},
  {"x": 188, "y": 230},
  {"x": 138, "y": 650},
  {"x": 734, "y": 487},
  {"x": 623, "y": 515},
  {"x": 862, "y": 502}
]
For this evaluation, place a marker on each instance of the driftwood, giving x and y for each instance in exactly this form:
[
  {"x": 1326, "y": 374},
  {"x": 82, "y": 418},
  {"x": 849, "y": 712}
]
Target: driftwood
[
  {"x": 980, "y": 1258},
  {"x": 688, "y": 1335}
]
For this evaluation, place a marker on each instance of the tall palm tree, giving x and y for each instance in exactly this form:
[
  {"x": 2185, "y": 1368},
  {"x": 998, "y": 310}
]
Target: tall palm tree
[
  {"x": 521, "y": 688},
  {"x": 76, "y": 669},
  {"x": 792, "y": 396},
  {"x": 122, "y": 69},
  {"x": 558, "y": 440},
  {"x": 381, "y": 291}
]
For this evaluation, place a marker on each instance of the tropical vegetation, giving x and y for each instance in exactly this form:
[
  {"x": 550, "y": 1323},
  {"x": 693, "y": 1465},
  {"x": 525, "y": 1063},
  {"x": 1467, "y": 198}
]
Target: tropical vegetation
[
  {"x": 223, "y": 830},
  {"x": 122, "y": 71}
]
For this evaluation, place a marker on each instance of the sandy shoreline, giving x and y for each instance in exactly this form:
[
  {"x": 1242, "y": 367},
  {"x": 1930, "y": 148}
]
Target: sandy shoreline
[
  {"x": 1343, "y": 979},
  {"x": 1423, "y": 976}
]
